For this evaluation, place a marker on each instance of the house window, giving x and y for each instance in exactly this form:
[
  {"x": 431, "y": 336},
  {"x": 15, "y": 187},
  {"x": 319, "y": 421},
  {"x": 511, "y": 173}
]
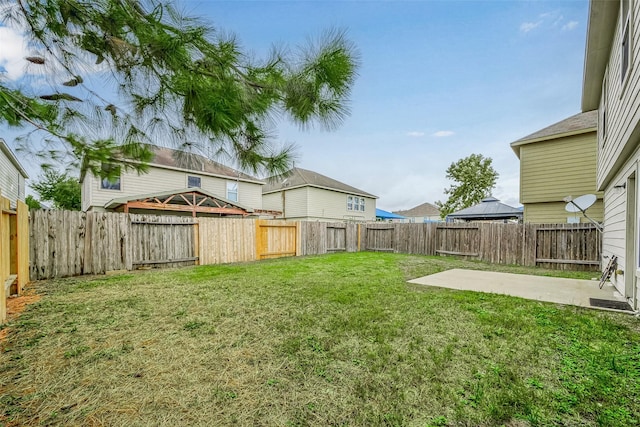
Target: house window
[
  {"x": 232, "y": 191},
  {"x": 355, "y": 203},
  {"x": 194, "y": 181},
  {"x": 110, "y": 177},
  {"x": 626, "y": 19}
]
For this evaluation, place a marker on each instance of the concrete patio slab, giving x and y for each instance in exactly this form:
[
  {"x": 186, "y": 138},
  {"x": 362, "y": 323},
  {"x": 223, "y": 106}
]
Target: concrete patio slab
[{"x": 541, "y": 288}]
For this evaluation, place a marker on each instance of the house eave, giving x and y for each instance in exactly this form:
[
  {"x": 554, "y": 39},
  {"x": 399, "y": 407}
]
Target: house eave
[
  {"x": 355, "y": 193},
  {"x": 515, "y": 146},
  {"x": 600, "y": 33},
  {"x": 12, "y": 157},
  {"x": 191, "y": 171}
]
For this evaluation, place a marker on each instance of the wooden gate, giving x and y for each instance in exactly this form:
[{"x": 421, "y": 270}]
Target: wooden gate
[
  {"x": 336, "y": 237},
  {"x": 461, "y": 240},
  {"x": 275, "y": 238},
  {"x": 568, "y": 246},
  {"x": 380, "y": 237},
  {"x": 167, "y": 241}
]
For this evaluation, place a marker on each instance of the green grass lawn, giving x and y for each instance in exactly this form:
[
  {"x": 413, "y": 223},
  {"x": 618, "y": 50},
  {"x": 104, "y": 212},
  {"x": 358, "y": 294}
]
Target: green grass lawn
[{"x": 336, "y": 340}]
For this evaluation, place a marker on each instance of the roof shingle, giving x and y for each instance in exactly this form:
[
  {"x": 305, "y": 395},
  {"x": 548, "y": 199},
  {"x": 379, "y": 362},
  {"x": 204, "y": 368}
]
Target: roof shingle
[
  {"x": 577, "y": 122},
  {"x": 425, "y": 209},
  {"x": 298, "y": 177}
]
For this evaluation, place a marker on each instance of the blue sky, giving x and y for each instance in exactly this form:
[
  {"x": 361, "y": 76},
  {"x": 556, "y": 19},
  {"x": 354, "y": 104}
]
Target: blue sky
[{"x": 438, "y": 80}]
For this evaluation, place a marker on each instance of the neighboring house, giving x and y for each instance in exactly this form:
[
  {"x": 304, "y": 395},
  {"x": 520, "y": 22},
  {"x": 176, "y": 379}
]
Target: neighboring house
[
  {"x": 309, "y": 196},
  {"x": 12, "y": 175},
  {"x": 177, "y": 182},
  {"x": 425, "y": 212},
  {"x": 556, "y": 162},
  {"x": 611, "y": 85},
  {"x": 488, "y": 210}
]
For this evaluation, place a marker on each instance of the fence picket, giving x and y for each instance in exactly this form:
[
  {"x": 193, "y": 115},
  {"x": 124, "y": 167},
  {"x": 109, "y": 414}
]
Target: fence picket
[{"x": 72, "y": 243}]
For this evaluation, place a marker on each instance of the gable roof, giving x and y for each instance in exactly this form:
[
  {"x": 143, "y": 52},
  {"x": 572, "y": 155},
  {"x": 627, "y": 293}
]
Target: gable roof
[
  {"x": 575, "y": 125},
  {"x": 12, "y": 158},
  {"x": 489, "y": 208},
  {"x": 298, "y": 177},
  {"x": 425, "y": 209},
  {"x": 169, "y": 158}
]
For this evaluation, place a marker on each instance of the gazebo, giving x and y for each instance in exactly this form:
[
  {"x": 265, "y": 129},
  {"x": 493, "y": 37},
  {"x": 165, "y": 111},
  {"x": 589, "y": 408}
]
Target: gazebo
[
  {"x": 489, "y": 209},
  {"x": 191, "y": 201}
]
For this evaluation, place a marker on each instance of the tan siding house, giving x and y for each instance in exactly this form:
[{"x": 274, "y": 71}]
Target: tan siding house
[
  {"x": 173, "y": 170},
  {"x": 556, "y": 162},
  {"x": 12, "y": 175},
  {"x": 425, "y": 212},
  {"x": 612, "y": 84},
  {"x": 309, "y": 196}
]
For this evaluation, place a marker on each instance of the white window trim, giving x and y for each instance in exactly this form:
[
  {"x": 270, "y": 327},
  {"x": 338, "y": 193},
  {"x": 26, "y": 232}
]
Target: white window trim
[
  {"x": 194, "y": 176},
  {"x": 237, "y": 192},
  {"x": 356, "y": 203}
]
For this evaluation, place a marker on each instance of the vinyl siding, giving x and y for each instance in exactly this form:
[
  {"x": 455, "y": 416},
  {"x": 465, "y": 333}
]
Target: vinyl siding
[
  {"x": 295, "y": 202},
  {"x": 161, "y": 180},
  {"x": 11, "y": 180},
  {"x": 622, "y": 103},
  {"x": 554, "y": 213},
  {"x": 272, "y": 202},
  {"x": 85, "y": 191},
  {"x": 317, "y": 204},
  {"x": 332, "y": 205},
  {"x": 551, "y": 170},
  {"x": 614, "y": 237}
]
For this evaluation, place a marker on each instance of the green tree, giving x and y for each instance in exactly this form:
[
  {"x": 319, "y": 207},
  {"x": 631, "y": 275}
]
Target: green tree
[
  {"x": 59, "y": 188},
  {"x": 475, "y": 179},
  {"x": 32, "y": 203},
  {"x": 167, "y": 77}
]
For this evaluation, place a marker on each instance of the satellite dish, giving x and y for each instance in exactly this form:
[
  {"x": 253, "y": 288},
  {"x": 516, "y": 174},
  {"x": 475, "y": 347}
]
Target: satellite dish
[{"x": 580, "y": 204}]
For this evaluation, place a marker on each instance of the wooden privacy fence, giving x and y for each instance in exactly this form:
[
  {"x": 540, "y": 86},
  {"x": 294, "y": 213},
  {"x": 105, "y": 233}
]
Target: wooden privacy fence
[
  {"x": 74, "y": 243},
  {"x": 557, "y": 246},
  {"x": 14, "y": 251},
  {"x": 66, "y": 243}
]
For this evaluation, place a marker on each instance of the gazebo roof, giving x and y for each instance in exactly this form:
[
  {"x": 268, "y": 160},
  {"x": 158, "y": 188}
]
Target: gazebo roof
[
  {"x": 193, "y": 200},
  {"x": 489, "y": 208}
]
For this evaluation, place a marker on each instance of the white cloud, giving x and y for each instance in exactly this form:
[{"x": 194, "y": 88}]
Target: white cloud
[
  {"x": 443, "y": 133},
  {"x": 525, "y": 27},
  {"x": 13, "y": 52},
  {"x": 570, "y": 25},
  {"x": 415, "y": 134}
]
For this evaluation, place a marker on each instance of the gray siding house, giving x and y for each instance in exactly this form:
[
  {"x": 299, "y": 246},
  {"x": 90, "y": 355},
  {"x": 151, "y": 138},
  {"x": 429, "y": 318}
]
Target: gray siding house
[
  {"x": 611, "y": 84},
  {"x": 309, "y": 196},
  {"x": 12, "y": 175},
  {"x": 174, "y": 172}
]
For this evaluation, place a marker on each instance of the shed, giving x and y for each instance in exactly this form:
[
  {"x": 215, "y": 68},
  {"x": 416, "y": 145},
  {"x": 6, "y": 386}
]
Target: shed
[{"x": 489, "y": 209}]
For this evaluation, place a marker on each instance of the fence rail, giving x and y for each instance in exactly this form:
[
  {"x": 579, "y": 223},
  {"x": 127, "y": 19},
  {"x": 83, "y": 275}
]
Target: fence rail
[{"x": 73, "y": 243}]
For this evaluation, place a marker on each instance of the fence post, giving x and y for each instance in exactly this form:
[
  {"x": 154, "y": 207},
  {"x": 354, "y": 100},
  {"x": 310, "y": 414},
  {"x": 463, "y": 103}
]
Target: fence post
[{"x": 196, "y": 240}]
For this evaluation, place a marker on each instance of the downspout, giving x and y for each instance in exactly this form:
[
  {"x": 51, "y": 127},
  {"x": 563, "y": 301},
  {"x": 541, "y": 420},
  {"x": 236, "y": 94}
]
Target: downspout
[{"x": 284, "y": 201}]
